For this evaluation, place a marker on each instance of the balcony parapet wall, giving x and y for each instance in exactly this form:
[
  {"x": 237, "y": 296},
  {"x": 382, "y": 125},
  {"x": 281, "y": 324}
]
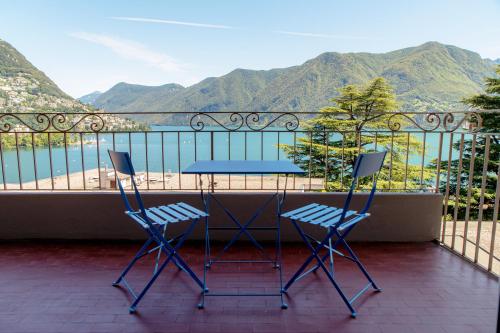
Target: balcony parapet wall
[{"x": 395, "y": 217}]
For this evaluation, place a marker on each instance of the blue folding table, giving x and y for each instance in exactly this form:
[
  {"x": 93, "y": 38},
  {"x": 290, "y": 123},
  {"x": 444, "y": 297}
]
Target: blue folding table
[{"x": 243, "y": 167}]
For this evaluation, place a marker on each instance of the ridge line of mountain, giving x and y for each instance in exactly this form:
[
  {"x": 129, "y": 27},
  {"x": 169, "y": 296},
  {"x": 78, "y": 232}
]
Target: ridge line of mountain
[{"x": 428, "y": 77}]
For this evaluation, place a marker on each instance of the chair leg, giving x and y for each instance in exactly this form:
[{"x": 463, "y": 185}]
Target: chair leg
[
  {"x": 169, "y": 250},
  {"x": 360, "y": 265},
  {"x": 354, "y": 258},
  {"x": 157, "y": 261},
  {"x": 158, "y": 256},
  {"x": 206, "y": 258},
  {"x": 315, "y": 255},
  {"x": 278, "y": 264},
  {"x": 133, "y": 307},
  {"x": 337, "y": 287},
  {"x": 330, "y": 255},
  {"x": 138, "y": 255},
  {"x": 331, "y": 248},
  {"x": 330, "y": 251},
  {"x": 172, "y": 255},
  {"x": 299, "y": 272}
]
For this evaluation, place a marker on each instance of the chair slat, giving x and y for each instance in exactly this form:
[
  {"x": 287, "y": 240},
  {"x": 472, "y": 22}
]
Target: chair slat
[
  {"x": 327, "y": 216},
  {"x": 192, "y": 209},
  {"x": 308, "y": 212},
  {"x": 352, "y": 221},
  {"x": 318, "y": 214},
  {"x": 183, "y": 211},
  {"x": 154, "y": 217},
  {"x": 298, "y": 210},
  {"x": 172, "y": 212},
  {"x": 138, "y": 219},
  {"x": 337, "y": 219},
  {"x": 163, "y": 215}
]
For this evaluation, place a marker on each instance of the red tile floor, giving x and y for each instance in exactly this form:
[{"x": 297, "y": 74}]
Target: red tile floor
[{"x": 66, "y": 287}]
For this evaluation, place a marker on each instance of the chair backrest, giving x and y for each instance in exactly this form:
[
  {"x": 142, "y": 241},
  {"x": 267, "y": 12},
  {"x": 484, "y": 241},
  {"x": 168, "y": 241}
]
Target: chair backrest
[
  {"x": 123, "y": 164},
  {"x": 366, "y": 165}
]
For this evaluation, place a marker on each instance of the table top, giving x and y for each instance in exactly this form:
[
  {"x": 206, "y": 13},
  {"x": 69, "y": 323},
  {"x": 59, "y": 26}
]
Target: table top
[{"x": 243, "y": 167}]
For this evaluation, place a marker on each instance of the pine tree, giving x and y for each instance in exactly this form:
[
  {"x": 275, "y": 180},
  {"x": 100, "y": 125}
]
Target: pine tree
[
  {"x": 490, "y": 100},
  {"x": 357, "y": 122}
]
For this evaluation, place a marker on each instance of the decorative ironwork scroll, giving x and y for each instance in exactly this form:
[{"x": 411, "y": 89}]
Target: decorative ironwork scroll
[
  {"x": 467, "y": 121},
  {"x": 235, "y": 122},
  {"x": 64, "y": 123},
  {"x": 432, "y": 121},
  {"x": 57, "y": 122},
  {"x": 11, "y": 122},
  {"x": 241, "y": 120},
  {"x": 291, "y": 121}
]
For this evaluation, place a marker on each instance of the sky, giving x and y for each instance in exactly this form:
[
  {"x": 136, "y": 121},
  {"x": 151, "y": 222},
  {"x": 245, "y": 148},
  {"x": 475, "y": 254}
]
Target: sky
[{"x": 84, "y": 46}]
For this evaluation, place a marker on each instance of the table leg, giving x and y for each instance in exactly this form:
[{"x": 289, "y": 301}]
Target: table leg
[
  {"x": 278, "y": 264},
  {"x": 205, "y": 199}
]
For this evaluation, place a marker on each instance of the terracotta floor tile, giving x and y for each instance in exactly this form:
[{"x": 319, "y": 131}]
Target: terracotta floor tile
[{"x": 66, "y": 287}]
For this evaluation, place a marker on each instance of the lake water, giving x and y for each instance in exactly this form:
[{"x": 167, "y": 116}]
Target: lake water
[{"x": 179, "y": 151}]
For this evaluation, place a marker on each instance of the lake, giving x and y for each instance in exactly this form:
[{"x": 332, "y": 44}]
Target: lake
[{"x": 259, "y": 145}]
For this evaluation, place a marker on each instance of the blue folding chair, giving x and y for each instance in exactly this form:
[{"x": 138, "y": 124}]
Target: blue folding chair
[
  {"x": 338, "y": 222},
  {"x": 154, "y": 222}
]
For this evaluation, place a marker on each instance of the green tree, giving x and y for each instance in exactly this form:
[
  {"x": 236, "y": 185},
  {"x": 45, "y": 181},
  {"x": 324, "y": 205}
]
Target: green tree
[
  {"x": 490, "y": 100},
  {"x": 356, "y": 122}
]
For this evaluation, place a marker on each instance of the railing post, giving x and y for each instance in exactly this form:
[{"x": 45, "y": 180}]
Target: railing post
[
  {"x": 494, "y": 222},
  {"x": 18, "y": 159},
  {"x": 469, "y": 194},
  {"x": 457, "y": 191},
  {"x": 447, "y": 191},
  {"x": 438, "y": 164},
  {"x": 484, "y": 177},
  {"x": 4, "y": 181},
  {"x": 212, "y": 158}
]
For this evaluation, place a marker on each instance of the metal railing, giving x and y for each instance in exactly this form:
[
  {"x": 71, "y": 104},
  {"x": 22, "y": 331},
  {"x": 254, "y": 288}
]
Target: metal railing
[{"x": 447, "y": 152}]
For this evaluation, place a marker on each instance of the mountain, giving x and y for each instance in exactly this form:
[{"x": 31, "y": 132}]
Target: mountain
[
  {"x": 24, "y": 88},
  {"x": 431, "y": 76},
  {"x": 124, "y": 96},
  {"x": 90, "y": 98},
  {"x": 129, "y": 98}
]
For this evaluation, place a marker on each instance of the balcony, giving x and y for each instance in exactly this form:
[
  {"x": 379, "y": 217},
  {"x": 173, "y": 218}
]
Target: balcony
[{"x": 431, "y": 243}]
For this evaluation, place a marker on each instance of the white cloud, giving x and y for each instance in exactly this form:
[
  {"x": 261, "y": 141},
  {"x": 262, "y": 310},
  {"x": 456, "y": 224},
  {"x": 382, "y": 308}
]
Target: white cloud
[
  {"x": 190, "y": 24},
  {"x": 310, "y": 34},
  {"x": 132, "y": 50},
  {"x": 217, "y": 26}
]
